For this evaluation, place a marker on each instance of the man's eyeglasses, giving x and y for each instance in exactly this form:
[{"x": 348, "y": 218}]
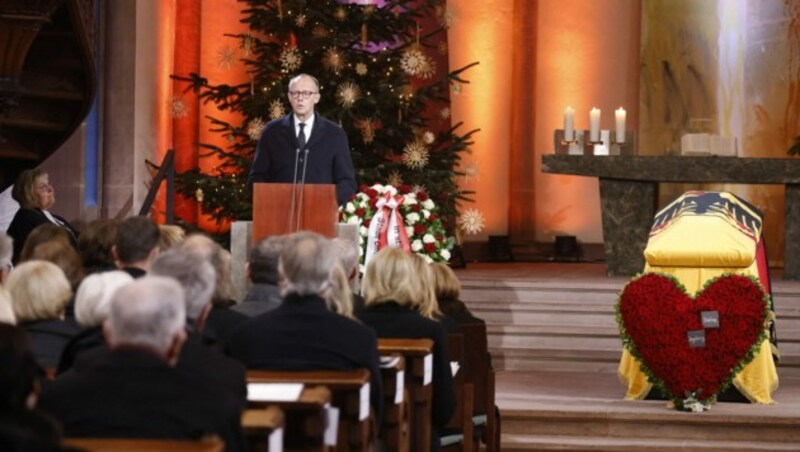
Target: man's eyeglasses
[{"x": 301, "y": 94}]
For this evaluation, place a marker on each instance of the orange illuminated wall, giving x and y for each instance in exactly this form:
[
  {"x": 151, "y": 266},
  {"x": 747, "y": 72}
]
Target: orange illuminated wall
[
  {"x": 587, "y": 56},
  {"x": 481, "y": 31}
]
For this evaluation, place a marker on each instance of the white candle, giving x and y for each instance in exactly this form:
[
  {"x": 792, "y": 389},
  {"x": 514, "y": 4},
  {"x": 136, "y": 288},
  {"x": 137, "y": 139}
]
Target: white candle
[
  {"x": 619, "y": 115},
  {"x": 594, "y": 125},
  {"x": 569, "y": 124}
]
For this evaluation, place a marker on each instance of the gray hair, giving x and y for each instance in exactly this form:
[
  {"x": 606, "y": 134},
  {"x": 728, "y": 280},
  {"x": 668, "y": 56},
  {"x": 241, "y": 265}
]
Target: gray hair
[
  {"x": 194, "y": 273},
  {"x": 148, "y": 312},
  {"x": 218, "y": 257},
  {"x": 306, "y": 264},
  {"x": 6, "y": 250},
  {"x": 297, "y": 77},
  {"x": 347, "y": 251},
  {"x": 263, "y": 260},
  {"x": 93, "y": 298}
]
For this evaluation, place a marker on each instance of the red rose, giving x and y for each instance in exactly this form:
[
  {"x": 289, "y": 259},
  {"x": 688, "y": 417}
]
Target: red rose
[
  {"x": 422, "y": 196},
  {"x": 372, "y": 193},
  {"x": 373, "y": 203},
  {"x": 366, "y": 223},
  {"x": 404, "y": 189},
  {"x": 429, "y": 247},
  {"x": 432, "y": 218},
  {"x": 360, "y": 212},
  {"x": 363, "y": 188},
  {"x": 439, "y": 237},
  {"x": 416, "y": 208},
  {"x": 419, "y": 229}
]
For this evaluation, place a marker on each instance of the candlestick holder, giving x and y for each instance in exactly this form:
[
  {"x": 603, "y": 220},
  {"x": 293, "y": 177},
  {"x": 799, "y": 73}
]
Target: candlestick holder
[
  {"x": 571, "y": 147},
  {"x": 622, "y": 148}
]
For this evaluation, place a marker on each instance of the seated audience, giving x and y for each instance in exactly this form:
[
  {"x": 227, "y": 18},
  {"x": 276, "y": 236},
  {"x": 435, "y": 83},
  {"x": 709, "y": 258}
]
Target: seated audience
[
  {"x": 222, "y": 320},
  {"x": 44, "y": 233},
  {"x": 196, "y": 276},
  {"x": 448, "y": 293},
  {"x": 6, "y": 253},
  {"x": 35, "y": 195},
  {"x": 348, "y": 253},
  {"x": 95, "y": 244},
  {"x": 22, "y": 426},
  {"x": 394, "y": 298},
  {"x": 65, "y": 257},
  {"x": 136, "y": 245},
  {"x": 133, "y": 390},
  {"x": 303, "y": 333},
  {"x": 262, "y": 271},
  {"x": 40, "y": 293},
  {"x": 169, "y": 236},
  {"x": 92, "y": 304},
  {"x": 6, "y": 309}
]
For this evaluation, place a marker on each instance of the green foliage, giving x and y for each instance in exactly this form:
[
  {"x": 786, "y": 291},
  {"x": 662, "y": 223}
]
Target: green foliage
[{"x": 370, "y": 85}]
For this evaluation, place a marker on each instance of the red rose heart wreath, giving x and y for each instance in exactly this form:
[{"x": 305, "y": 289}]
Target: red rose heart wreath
[{"x": 655, "y": 314}]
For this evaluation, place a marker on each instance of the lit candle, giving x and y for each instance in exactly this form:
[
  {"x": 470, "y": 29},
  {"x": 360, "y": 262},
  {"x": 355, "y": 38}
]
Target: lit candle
[
  {"x": 594, "y": 125},
  {"x": 619, "y": 115},
  {"x": 569, "y": 124}
]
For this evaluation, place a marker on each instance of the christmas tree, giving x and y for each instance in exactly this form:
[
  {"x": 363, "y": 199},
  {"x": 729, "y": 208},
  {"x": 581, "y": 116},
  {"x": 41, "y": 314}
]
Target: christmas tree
[{"x": 378, "y": 80}]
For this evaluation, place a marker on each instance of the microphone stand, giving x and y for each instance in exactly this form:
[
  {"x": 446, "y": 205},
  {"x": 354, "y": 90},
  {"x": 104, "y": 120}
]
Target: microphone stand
[
  {"x": 302, "y": 189},
  {"x": 294, "y": 191}
]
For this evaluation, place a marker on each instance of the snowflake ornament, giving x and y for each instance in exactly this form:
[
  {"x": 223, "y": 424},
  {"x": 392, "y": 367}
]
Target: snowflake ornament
[
  {"x": 340, "y": 14},
  {"x": 225, "y": 57},
  {"x": 471, "y": 172},
  {"x": 456, "y": 88},
  {"x": 300, "y": 20},
  {"x": 471, "y": 221},
  {"x": 395, "y": 179},
  {"x": 291, "y": 59},
  {"x": 361, "y": 69},
  {"x": 347, "y": 94},
  {"x": 333, "y": 60},
  {"x": 276, "y": 109},
  {"x": 248, "y": 44},
  {"x": 367, "y": 129},
  {"x": 320, "y": 32},
  {"x": 444, "y": 113},
  {"x": 178, "y": 108},
  {"x": 415, "y": 63},
  {"x": 428, "y": 137},
  {"x": 254, "y": 128},
  {"x": 415, "y": 155}
]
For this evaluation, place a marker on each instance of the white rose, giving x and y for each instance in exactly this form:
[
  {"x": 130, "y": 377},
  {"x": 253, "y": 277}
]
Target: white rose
[
  {"x": 445, "y": 254},
  {"x": 428, "y": 238},
  {"x": 416, "y": 246},
  {"x": 428, "y": 259},
  {"x": 363, "y": 230},
  {"x": 427, "y": 204},
  {"x": 378, "y": 188},
  {"x": 410, "y": 200},
  {"x": 392, "y": 191},
  {"x": 350, "y": 207},
  {"x": 412, "y": 218},
  {"x": 363, "y": 197},
  {"x": 409, "y": 230},
  {"x": 353, "y": 220},
  {"x": 360, "y": 251},
  {"x": 426, "y": 213}
]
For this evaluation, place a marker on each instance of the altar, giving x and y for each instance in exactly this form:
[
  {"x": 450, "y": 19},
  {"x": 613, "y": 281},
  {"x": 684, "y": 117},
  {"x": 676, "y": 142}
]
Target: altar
[{"x": 629, "y": 196}]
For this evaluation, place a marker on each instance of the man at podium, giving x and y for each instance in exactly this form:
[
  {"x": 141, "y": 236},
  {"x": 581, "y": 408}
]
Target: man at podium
[{"x": 304, "y": 147}]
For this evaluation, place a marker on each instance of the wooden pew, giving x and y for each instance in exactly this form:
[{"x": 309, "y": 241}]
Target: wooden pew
[
  {"x": 458, "y": 434},
  {"x": 416, "y": 353},
  {"x": 479, "y": 372},
  {"x": 263, "y": 429},
  {"x": 206, "y": 444},
  {"x": 350, "y": 391},
  {"x": 304, "y": 419},
  {"x": 394, "y": 425}
]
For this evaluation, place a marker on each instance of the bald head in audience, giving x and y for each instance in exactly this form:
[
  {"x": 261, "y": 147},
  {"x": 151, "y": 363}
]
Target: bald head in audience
[
  {"x": 195, "y": 275},
  {"x": 148, "y": 314}
]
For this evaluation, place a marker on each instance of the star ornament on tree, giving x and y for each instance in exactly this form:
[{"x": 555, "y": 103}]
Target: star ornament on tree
[
  {"x": 276, "y": 110},
  {"x": 291, "y": 59},
  {"x": 471, "y": 221},
  {"x": 415, "y": 155},
  {"x": 254, "y": 129},
  {"x": 347, "y": 94}
]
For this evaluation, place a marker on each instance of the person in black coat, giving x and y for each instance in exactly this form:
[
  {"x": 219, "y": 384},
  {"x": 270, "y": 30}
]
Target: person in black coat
[
  {"x": 394, "y": 297},
  {"x": 22, "y": 426},
  {"x": 35, "y": 195},
  {"x": 304, "y": 143},
  {"x": 132, "y": 389},
  {"x": 303, "y": 333}
]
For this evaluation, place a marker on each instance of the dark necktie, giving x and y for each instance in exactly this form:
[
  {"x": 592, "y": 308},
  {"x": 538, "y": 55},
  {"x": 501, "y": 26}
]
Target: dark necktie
[{"x": 301, "y": 137}]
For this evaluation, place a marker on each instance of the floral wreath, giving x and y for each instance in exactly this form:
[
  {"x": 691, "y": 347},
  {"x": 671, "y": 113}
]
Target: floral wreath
[{"x": 381, "y": 210}]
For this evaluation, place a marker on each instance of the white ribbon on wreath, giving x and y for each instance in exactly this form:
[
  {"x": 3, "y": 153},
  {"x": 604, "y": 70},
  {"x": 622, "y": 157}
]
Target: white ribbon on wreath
[{"x": 387, "y": 227}]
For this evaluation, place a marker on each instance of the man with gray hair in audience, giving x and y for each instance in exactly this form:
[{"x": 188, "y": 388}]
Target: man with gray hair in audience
[
  {"x": 133, "y": 390},
  {"x": 6, "y": 253},
  {"x": 302, "y": 333},
  {"x": 262, "y": 271},
  {"x": 198, "y": 356}
]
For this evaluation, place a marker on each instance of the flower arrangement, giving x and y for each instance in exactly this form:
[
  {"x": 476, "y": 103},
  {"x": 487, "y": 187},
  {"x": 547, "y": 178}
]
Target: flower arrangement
[
  {"x": 397, "y": 216},
  {"x": 655, "y": 317}
]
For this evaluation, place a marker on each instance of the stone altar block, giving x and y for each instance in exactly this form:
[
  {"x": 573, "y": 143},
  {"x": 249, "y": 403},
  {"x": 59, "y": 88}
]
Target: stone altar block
[{"x": 629, "y": 193}]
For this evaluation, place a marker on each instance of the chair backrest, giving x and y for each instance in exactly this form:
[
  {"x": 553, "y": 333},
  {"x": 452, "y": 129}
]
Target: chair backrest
[
  {"x": 418, "y": 354},
  {"x": 305, "y": 418},
  {"x": 477, "y": 362},
  {"x": 205, "y": 444},
  {"x": 460, "y": 426},
  {"x": 395, "y": 422},
  {"x": 263, "y": 428},
  {"x": 350, "y": 392}
]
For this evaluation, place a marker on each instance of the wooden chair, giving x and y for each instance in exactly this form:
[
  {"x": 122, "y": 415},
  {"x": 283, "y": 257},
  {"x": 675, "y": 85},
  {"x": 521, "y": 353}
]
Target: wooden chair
[
  {"x": 263, "y": 429},
  {"x": 350, "y": 393},
  {"x": 304, "y": 419},
  {"x": 418, "y": 383},
  {"x": 458, "y": 435},
  {"x": 206, "y": 444},
  {"x": 478, "y": 371},
  {"x": 394, "y": 425}
]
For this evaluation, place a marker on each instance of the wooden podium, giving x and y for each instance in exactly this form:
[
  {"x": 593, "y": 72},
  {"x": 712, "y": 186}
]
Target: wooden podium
[{"x": 315, "y": 209}]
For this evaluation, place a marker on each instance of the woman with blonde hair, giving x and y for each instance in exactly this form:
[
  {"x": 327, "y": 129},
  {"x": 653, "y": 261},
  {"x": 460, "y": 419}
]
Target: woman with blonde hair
[
  {"x": 40, "y": 293},
  {"x": 6, "y": 310},
  {"x": 448, "y": 295},
  {"x": 395, "y": 297}
]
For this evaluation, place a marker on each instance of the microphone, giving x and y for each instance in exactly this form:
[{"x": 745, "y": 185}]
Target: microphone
[{"x": 294, "y": 191}]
